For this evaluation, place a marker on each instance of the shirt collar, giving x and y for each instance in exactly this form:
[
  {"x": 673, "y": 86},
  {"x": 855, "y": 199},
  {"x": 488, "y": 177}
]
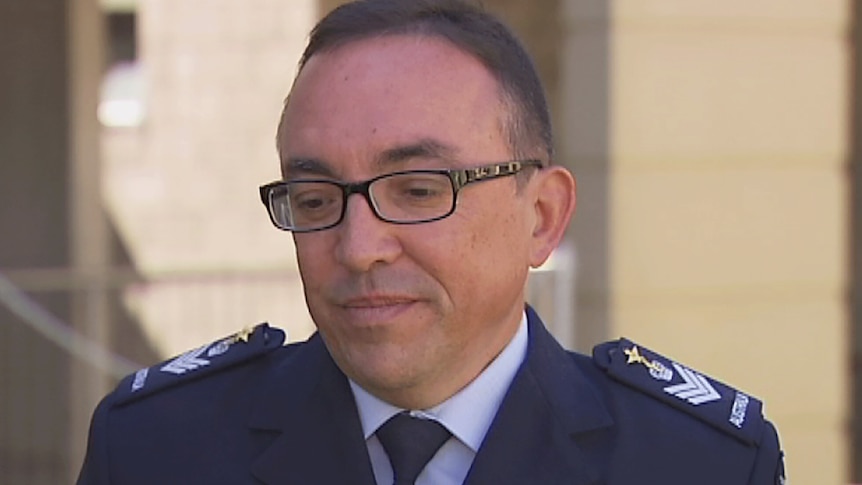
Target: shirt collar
[{"x": 468, "y": 414}]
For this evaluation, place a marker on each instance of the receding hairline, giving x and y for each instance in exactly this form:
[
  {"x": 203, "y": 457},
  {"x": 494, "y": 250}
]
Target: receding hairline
[{"x": 510, "y": 109}]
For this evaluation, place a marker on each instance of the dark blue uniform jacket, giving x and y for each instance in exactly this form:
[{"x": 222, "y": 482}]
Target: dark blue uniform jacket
[{"x": 247, "y": 410}]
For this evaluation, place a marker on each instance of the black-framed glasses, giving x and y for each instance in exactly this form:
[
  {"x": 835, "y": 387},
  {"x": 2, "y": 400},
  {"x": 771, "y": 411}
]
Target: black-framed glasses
[{"x": 406, "y": 197}]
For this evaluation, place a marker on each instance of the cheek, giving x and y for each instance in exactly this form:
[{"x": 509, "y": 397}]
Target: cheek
[
  {"x": 312, "y": 257},
  {"x": 474, "y": 257},
  {"x": 498, "y": 235}
]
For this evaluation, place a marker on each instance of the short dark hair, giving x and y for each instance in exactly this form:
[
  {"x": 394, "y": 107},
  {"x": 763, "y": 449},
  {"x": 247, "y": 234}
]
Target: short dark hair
[{"x": 470, "y": 28}]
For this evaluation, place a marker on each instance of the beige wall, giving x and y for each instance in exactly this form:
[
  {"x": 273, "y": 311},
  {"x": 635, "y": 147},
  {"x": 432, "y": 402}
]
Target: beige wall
[
  {"x": 182, "y": 187},
  {"x": 720, "y": 172}
]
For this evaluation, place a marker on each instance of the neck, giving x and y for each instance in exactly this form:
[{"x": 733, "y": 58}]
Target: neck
[{"x": 445, "y": 383}]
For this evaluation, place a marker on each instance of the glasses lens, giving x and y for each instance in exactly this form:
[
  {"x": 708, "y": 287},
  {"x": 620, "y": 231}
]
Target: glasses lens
[
  {"x": 413, "y": 197},
  {"x": 303, "y": 206}
]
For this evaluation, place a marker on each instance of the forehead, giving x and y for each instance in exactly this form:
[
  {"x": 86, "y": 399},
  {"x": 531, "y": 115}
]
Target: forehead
[{"x": 378, "y": 94}]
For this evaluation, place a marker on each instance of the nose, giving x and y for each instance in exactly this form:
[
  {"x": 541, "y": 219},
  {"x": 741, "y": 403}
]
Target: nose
[{"x": 363, "y": 239}]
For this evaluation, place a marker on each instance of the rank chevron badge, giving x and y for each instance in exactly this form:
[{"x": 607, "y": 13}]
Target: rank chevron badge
[
  {"x": 240, "y": 347},
  {"x": 192, "y": 359},
  {"x": 696, "y": 389},
  {"x": 187, "y": 362},
  {"x": 677, "y": 385}
]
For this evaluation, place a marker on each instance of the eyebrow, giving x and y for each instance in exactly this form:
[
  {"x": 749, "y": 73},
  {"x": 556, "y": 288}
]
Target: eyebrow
[
  {"x": 425, "y": 148},
  {"x": 304, "y": 165}
]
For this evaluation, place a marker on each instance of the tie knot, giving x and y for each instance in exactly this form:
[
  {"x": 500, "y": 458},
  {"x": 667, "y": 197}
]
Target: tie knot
[{"x": 410, "y": 443}]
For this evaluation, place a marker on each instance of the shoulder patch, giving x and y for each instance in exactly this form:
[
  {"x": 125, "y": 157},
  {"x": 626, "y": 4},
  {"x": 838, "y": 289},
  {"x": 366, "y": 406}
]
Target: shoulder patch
[
  {"x": 221, "y": 354},
  {"x": 709, "y": 400}
]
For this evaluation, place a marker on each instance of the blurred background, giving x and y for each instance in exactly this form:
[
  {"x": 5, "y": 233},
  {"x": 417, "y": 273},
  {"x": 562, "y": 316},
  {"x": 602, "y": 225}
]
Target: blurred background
[{"x": 717, "y": 147}]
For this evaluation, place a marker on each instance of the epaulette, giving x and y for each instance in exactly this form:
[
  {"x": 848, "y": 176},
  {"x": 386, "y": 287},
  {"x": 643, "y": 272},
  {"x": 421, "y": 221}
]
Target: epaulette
[
  {"x": 240, "y": 347},
  {"x": 726, "y": 409}
]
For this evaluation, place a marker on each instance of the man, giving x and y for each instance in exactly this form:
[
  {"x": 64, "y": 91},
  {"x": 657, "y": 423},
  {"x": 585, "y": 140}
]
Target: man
[{"x": 419, "y": 187}]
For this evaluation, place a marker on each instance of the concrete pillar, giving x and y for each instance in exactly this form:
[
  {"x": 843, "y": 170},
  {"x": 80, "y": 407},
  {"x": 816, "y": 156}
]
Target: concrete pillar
[
  {"x": 35, "y": 140},
  {"x": 710, "y": 141},
  {"x": 50, "y": 209},
  {"x": 90, "y": 237},
  {"x": 856, "y": 250}
]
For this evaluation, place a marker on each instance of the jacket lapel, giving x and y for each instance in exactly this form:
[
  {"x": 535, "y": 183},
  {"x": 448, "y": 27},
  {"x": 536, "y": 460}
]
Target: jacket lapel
[
  {"x": 312, "y": 415},
  {"x": 551, "y": 428}
]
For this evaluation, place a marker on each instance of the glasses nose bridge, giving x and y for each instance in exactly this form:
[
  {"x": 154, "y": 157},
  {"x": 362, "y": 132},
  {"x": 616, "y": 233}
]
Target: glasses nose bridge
[{"x": 363, "y": 189}]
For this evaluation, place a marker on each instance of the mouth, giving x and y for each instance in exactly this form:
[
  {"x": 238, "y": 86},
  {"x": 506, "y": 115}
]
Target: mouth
[{"x": 377, "y": 310}]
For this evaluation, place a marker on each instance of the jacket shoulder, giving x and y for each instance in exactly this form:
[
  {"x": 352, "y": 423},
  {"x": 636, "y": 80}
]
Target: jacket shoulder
[
  {"x": 683, "y": 389},
  {"x": 242, "y": 347}
]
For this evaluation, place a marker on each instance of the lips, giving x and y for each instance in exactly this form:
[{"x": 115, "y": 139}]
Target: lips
[
  {"x": 376, "y": 310},
  {"x": 377, "y": 301}
]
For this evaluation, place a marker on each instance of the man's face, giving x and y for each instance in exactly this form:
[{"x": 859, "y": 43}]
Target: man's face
[{"x": 410, "y": 312}]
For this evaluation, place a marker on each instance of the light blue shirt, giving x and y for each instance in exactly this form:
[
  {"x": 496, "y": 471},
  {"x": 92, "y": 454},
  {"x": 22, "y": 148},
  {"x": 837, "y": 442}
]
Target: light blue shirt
[{"x": 467, "y": 415}]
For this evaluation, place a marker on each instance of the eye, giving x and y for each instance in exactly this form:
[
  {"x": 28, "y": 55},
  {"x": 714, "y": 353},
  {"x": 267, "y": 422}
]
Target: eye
[
  {"x": 309, "y": 202},
  {"x": 420, "y": 188},
  {"x": 421, "y": 192},
  {"x": 312, "y": 200}
]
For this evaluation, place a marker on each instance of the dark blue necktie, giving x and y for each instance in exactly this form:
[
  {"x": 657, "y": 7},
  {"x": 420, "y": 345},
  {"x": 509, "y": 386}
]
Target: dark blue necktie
[{"x": 410, "y": 443}]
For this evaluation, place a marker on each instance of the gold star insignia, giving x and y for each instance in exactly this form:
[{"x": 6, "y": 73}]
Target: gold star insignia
[
  {"x": 635, "y": 357},
  {"x": 243, "y": 335}
]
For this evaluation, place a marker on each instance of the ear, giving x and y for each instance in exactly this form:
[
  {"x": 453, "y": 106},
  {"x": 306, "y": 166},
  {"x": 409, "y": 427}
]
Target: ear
[{"x": 554, "y": 203}]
